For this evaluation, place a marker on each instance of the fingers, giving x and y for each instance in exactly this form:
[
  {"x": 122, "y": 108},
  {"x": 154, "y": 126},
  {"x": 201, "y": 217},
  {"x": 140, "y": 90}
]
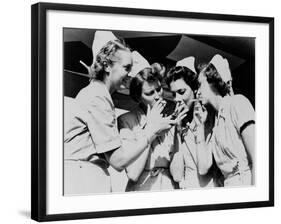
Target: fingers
[
  {"x": 204, "y": 108},
  {"x": 180, "y": 106},
  {"x": 159, "y": 106},
  {"x": 158, "y": 103},
  {"x": 185, "y": 110},
  {"x": 181, "y": 117},
  {"x": 200, "y": 116},
  {"x": 170, "y": 121}
]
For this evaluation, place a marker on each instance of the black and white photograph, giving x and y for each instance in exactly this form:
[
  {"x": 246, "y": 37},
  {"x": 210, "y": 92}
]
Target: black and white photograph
[
  {"x": 140, "y": 112},
  {"x": 149, "y": 111}
]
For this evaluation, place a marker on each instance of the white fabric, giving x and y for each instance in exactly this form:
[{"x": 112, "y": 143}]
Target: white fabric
[
  {"x": 90, "y": 125},
  {"x": 139, "y": 63},
  {"x": 222, "y": 66},
  {"x": 187, "y": 62},
  {"x": 84, "y": 178},
  {"x": 226, "y": 142},
  {"x": 100, "y": 40},
  {"x": 192, "y": 179}
]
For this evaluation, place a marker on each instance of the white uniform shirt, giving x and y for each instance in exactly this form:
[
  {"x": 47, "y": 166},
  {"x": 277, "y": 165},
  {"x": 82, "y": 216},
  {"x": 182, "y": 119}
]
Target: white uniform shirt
[
  {"x": 226, "y": 141},
  {"x": 132, "y": 124},
  {"x": 90, "y": 126},
  {"x": 192, "y": 178}
]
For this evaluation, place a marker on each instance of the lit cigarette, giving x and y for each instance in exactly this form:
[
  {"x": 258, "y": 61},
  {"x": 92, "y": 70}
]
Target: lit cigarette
[{"x": 196, "y": 100}]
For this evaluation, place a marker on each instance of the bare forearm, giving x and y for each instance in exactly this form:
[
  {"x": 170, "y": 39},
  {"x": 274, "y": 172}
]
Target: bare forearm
[
  {"x": 248, "y": 136},
  {"x": 204, "y": 154},
  {"x": 177, "y": 167},
  {"x": 120, "y": 158},
  {"x": 135, "y": 169}
]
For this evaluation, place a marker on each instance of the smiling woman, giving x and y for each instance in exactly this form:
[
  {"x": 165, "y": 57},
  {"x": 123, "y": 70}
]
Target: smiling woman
[
  {"x": 151, "y": 170},
  {"x": 91, "y": 139},
  {"x": 79, "y": 118},
  {"x": 113, "y": 68},
  {"x": 84, "y": 147}
]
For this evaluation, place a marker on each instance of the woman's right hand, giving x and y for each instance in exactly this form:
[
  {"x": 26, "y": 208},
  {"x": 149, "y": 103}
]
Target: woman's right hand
[
  {"x": 199, "y": 117},
  {"x": 180, "y": 113},
  {"x": 199, "y": 114},
  {"x": 156, "y": 123}
]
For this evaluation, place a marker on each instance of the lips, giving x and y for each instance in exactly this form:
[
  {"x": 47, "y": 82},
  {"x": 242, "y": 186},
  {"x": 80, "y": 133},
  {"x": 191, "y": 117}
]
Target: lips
[{"x": 125, "y": 82}]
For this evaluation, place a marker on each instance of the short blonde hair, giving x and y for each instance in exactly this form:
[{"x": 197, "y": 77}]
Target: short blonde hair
[{"x": 106, "y": 57}]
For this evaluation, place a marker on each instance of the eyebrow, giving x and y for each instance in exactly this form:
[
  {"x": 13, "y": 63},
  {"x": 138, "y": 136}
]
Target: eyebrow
[
  {"x": 181, "y": 89},
  {"x": 158, "y": 88},
  {"x": 150, "y": 90}
]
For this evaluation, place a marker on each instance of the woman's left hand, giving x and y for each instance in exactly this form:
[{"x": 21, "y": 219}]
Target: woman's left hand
[
  {"x": 199, "y": 114},
  {"x": 180, "y": 113}
]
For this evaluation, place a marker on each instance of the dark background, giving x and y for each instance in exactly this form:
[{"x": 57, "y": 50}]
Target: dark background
[{"x": 163, "y": 48}]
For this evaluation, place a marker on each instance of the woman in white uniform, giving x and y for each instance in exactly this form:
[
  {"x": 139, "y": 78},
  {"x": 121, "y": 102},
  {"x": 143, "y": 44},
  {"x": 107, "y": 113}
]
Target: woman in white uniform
[
  {"x": 150, "y": 171},
  {"x": 91, "y": 139},
  {"x": 232, "y": 140},
  {"x": 182, "y": 81}
]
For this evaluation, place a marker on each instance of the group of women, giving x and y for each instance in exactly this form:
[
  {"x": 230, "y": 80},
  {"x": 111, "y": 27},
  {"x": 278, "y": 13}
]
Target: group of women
[{"x": 208, "y": 141}]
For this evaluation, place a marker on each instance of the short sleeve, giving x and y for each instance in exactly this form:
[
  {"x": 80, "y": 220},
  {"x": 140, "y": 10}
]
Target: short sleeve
[
  {"x": 242, "y": 112},
  {"x": 102, "y": 125}
]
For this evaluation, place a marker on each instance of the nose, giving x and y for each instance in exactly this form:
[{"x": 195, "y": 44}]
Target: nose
[
  {"x": 178, "y": 97},
  {"x": 156, "y": 96}
]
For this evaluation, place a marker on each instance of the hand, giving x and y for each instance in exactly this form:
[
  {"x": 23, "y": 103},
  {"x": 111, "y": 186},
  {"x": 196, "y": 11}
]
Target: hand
[
  {"x": 156, "y": 123},
  {"x": 199, "y": 114},
  {"x": 180, "y": 113}
]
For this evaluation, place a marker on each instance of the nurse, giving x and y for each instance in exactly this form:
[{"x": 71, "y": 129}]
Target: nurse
[
  {"x": 232, "y": 141},
  {"x": 182, "y": 81},
  {"x": 91, "y": 139},
  {"x": 150, "y": 171}
]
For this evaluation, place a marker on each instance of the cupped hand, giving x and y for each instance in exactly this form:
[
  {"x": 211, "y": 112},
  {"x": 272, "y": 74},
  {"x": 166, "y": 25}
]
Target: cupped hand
[
  {"x": 180, "y": 113},
  {"x": 156, "y": 123},
  {"x": 199, "y": 114}
]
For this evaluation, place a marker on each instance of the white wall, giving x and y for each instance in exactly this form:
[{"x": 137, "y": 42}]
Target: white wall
[{"x": 15, "y": 110}]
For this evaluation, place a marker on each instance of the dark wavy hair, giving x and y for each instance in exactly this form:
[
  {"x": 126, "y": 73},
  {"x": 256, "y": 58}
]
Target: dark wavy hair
[
  {"x": 214, "y": 78},
  {"x": 146, "y": 75},
  {"x": 106, "y": 57},
  {"x": 182, "y": 72}
]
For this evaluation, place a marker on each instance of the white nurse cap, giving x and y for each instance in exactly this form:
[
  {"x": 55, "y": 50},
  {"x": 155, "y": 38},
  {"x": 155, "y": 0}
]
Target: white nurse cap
[
  {"x": 187, "y": 62},
  {"x": 101, "y": 38},
  {"x": 222, "y": 66},
  {"x": 139, "y": 63}
]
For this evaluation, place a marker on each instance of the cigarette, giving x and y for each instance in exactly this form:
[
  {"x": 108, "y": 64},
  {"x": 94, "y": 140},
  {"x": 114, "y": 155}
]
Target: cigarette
[{"x": 196, "y": 100}]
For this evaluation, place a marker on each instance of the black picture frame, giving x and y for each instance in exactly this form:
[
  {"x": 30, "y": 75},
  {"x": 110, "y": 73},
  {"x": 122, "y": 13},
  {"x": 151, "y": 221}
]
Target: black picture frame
[{"x": 39, "y": 110}]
